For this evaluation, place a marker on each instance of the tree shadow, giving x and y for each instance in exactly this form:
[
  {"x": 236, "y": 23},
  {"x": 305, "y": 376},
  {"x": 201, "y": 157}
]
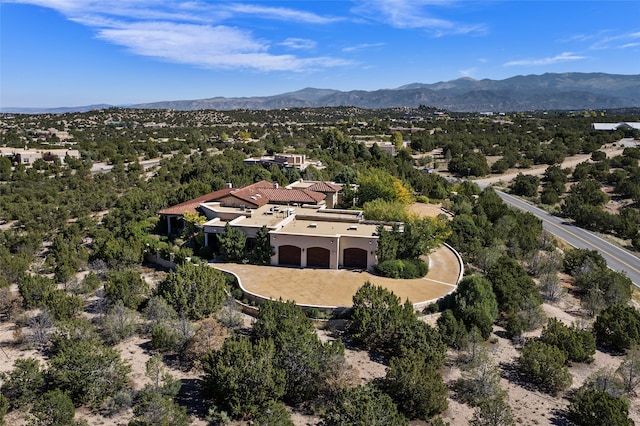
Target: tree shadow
[
  {"x": 559, "y": 418},
  {"x": 192, "y": 397},
  {"x": 509, "y": 371}
]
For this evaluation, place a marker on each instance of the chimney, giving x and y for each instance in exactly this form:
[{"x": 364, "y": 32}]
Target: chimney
[
  {"x": 228, "y": 185},
  {"x": 275, "y": 185}
]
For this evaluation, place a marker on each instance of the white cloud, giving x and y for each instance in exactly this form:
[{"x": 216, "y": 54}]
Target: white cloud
[
  {"x": 619, "y": 41},
  {"x": 192, "y": 32},
  {"x": 413, "y": 14},
  {"x": 281, "y": 13},
  {"x": 298, "y": 43},
  {"x": 363, "y": 46},
  {"x": 563, "y": 57}
]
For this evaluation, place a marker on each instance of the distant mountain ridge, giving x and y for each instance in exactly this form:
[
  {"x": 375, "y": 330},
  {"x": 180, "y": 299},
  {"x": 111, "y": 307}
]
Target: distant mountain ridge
[
  {"x": 551, "y": 91},
  {"x": 567, "y": 91}
]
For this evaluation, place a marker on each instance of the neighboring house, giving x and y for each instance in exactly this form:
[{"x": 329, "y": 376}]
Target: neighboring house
[
  {"x": 331, "y": 190},
  {"x": 297, "y": 161},
  {"x": 304, "y": 231},
  {"x": 29, "y": 156},
  {"x": 615, "y": 126}
]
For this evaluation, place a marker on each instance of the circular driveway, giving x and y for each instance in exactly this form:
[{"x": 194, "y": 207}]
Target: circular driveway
[{"x": 335, "y": 288}]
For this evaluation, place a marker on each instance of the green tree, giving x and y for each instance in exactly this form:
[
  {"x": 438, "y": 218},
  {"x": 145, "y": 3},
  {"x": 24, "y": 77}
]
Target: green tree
[
  {"x": 63, "y": 306},
  {"x": 5, "y": 168},
  {"x": 591, "y": 407},
  {"x": 480, "y": 379},
  {"x": 126, "y": 286},
  {"x": 242, "y": 377},
  {"x": 415, "y": 386},
  {"x": 544, "y": 365},
  {"x": 273, "y": 413},
  {"x": 376, "y": 316},
  {"x": 363, "y": 405},
  {"x": 4, "y": 404},
  {"x": 579, "y": 261},
  {"x": 618, "y": 327},
  {"x": 386, "y": 211},
  {"x": 512, "y": 286},
  {"x": 232, "y": 243},
  {"x": 263, "y": 249},
  {"x": 24, "y": 383},
  {"x": 614, "y": 287},
  {"x": 118, "y": 323},
  {"x": 194, "y": 291},
  {"x": 378, "y": 183},
  {"x": 629, "y": 371},
  {"x": 155, "y": 409},
  {"x": 525, "y": 185},
  {"x": 475, "y": 304},
  {"x": 87, "y": 371},
  {"x": 493, "y": 411},
  {"x": 379, "y": 321},
  {"x": 579, "y": 345},
  {"x": 299, "y": 352},
  {"x": 584, "y": 193},
  {"x": 452, "y": 329},
  {"x": 54, "y": 408},
  {"x": 35, "y": 289}
]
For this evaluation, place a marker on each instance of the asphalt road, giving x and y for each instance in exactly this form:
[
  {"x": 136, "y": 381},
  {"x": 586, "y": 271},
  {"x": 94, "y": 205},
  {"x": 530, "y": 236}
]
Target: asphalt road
[{"x": 617, "y": 258}]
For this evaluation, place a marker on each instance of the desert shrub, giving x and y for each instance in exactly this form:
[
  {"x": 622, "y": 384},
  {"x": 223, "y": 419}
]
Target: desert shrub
[
  {"x": 592, "y": 407},
  {"x": 167, "y": 337},
  {"x": 273, "y": 413},
  {"x": 126, "y": 286},
  {"x": 52, "y": 409},
  {"x": 544, "y": 365},
  {"x": 34, "y": 290},
  {"x": 4, "y": 404},
  {"x": 415, "y": 386},
  {"x": 63, "y": 306},
  {"x": 618, "y": 327},
  {"x": 402, "y": 268},
  {"x": 363, "y": 405},
  {"x": 194, "y": 291},
  {"x": 579, "y": 345},
  {"x": 24, "y": 383}
]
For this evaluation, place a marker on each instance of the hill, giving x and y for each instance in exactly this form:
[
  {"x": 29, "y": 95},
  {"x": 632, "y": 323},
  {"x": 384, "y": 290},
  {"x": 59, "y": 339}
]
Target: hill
[
  {"x": 568, "y": 91},
  {"x": 565, "y": 91}
]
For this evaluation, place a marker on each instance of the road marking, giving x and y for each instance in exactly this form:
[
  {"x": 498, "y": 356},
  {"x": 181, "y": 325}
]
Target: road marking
[{"x": 542, "y": 218}]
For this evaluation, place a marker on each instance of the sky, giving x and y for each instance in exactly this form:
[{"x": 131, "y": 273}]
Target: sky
[{"x": 56, "y": 53}]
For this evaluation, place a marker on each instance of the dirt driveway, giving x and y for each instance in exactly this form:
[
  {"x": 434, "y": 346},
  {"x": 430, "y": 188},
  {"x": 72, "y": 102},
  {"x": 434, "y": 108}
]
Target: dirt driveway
[{"x": 335, "y": 288}]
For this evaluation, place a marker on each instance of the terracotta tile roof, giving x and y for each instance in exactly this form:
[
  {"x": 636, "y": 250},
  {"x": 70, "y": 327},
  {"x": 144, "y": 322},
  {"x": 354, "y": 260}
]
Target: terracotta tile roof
[
  {"x": 257, "y": 194},
  {"x": 191, "y": 205},
  {"x": 282, "y": 195},
  {"x": 325, "y": 187}
]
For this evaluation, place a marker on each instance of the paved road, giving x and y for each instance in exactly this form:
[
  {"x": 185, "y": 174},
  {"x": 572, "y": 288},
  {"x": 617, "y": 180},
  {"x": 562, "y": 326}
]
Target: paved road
[
  {"x": 617, "y": 258},
  {"x": 106, "y": 168}
]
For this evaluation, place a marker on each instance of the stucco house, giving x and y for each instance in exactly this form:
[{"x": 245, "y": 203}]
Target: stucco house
[{"x": 305, "y": 230}]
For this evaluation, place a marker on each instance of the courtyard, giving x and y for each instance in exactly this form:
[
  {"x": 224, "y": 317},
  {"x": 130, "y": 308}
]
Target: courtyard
[{"x": 335, "y": 288}]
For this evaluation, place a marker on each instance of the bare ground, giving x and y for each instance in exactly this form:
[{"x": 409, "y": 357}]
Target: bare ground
[{"x": 530, "y": 406}]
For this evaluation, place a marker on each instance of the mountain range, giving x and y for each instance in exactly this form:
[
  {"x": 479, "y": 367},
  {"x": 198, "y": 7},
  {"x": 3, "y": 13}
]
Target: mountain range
[{"x": 551, "y": 91}]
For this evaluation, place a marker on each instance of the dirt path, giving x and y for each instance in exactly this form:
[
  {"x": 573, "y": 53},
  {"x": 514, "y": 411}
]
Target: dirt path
[{"x": 538, "y": 170}]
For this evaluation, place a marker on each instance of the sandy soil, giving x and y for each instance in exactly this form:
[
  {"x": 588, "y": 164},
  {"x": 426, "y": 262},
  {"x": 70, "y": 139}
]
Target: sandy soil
[
  {"x": 538, "y": 170},
  {"x": 531, "y": 407}
]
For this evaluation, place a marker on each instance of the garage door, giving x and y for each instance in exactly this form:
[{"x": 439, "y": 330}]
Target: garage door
[
  {"x": 318, "y": 257},
  {"x": 289, "y": 255},
  {"x": 355, "y": 258}
]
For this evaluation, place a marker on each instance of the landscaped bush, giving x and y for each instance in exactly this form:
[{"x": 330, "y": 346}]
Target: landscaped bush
[{"x": 402, "y": 268}]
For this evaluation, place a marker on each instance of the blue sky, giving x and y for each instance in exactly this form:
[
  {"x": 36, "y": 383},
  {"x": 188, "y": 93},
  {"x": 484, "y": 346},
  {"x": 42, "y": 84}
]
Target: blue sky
[{"x": 81, "y": 52}]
